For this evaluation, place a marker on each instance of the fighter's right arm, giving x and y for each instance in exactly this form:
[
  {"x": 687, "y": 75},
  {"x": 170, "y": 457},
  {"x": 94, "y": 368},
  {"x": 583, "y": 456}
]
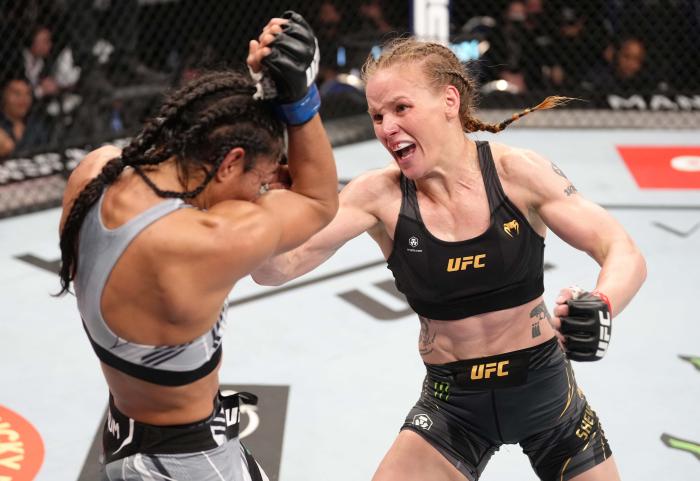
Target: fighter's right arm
[{"x": 355, "y": 216}]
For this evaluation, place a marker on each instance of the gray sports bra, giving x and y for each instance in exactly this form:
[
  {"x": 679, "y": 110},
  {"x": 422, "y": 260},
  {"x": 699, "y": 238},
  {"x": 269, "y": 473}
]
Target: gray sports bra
[{"x": 99, "y": 250}]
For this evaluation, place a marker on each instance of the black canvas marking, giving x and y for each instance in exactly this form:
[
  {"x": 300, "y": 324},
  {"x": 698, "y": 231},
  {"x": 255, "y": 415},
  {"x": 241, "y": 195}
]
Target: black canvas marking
[
  {"x": 310, "y": 282},
  {"x": 53, "y": 266},
  {"x": 675, "y": 231}
]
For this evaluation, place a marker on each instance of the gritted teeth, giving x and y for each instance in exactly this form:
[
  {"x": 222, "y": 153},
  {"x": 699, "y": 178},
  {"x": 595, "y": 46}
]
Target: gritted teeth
[
  {"x": 402, "y": 149},
  {"x": 400, "y": 145}
]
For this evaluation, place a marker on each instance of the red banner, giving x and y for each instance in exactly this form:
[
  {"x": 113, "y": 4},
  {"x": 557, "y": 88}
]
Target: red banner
[{"x": 663, "y": 167}]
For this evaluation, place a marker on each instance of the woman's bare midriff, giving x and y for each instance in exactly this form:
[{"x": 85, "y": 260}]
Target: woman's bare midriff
[
  {"x": 162, "y": 405},
  {"x": 485, "y": 334}
]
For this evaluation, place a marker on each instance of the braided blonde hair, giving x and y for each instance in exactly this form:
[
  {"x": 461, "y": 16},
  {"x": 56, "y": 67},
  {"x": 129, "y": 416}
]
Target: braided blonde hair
[{"x": 442, "y": 67}]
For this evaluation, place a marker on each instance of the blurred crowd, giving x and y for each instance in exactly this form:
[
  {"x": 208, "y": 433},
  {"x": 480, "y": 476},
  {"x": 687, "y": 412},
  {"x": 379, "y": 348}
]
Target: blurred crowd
[
  {"x": 80, "y": 70},
  {"x": 65, "y": 74},
  {"x": 581, "y": 47}
]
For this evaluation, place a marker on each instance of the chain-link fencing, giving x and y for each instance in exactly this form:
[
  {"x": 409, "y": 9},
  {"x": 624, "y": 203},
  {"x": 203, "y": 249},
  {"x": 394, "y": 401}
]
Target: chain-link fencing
[{"x": 77, "y": 73}]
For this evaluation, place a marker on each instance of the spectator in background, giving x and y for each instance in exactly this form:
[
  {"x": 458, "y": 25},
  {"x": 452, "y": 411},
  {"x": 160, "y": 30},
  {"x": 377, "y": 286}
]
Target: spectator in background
[
  {"x": 685, "y": 67},
  {"x": 513, "y": 55},
  {"x": 198, "y": 57},
  {"x": 48, "y": 73},
  {"x": 18, "y": 130},
  {"x": 108, "y": 42},
  {"x": 670, "y": 33},
  {"x": 627, "y": 73},
  {"x": 575, "y": 46},
  {"x": 534, "y": 10},
  {"x": 372, "y": 14},
  {"x": 53, "y": 76},
  {"x": 514, "y": 43},
  {"x": 327, "y": 23},
  {"x": 461, "y": 13},
  {"x": 340, "y": 54}
]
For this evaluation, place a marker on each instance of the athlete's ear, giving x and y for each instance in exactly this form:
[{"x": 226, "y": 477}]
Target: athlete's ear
[
  {"x": 452, "y": 102},
  {"x": 232, "y": 164}
]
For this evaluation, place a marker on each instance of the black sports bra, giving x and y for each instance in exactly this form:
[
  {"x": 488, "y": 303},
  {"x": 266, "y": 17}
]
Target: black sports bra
[{"x": 500, "y": 268}]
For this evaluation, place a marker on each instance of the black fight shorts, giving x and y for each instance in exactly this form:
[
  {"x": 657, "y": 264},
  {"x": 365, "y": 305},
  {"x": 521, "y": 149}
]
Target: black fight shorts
[
  {"x": 206, "y": 450},
  {"x": 469, "y": 408}
]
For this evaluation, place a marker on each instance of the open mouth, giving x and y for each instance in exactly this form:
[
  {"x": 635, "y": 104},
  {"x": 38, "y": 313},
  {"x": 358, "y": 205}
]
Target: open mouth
[{"x": 404, "y": 149}]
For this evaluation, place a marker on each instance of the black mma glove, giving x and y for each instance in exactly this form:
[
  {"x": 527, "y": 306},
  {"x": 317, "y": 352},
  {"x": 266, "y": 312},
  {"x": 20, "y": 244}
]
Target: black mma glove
[
  {"x": 588, "y": 326},
  {"x": 292, "y": 65}
]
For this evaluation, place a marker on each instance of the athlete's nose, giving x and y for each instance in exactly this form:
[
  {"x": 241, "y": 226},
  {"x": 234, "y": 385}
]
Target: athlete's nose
[{"x": 389, "y": 126}]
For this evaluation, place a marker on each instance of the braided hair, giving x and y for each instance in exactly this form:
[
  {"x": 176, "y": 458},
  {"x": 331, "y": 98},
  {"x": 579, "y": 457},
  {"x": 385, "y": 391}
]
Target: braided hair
[
  {"x": 442, "y": 67},
  {"x": 197, "y": 126}
]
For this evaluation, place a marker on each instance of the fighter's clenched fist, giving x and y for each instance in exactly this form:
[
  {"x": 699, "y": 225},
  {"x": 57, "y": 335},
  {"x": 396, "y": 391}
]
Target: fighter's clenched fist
[
  {"x": 583, "y": 321},
  {"x": 287, "y": 52}
]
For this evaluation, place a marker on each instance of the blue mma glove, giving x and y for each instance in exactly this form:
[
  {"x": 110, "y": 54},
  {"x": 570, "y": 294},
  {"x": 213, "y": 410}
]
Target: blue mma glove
[{"x": 293, "y": 65}]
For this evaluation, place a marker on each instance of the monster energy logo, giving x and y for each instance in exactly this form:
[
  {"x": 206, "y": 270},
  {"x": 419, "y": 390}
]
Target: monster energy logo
[
  {"x": 673, "y": 442},
  {"x": 683, "y": 444},
  {"x": 441, "y": 390},
  {"x": 694, "y": 360}
]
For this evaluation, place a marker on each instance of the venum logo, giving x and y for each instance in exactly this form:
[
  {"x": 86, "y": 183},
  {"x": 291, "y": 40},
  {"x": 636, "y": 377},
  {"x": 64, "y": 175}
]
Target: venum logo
[
  {"x": 112, "y": 425},
  {"x": 511, "y": 228},
  {"x": 233, "y": 416},
  {"x": 422, "y": 421},
  {"x": 413, "y": 243}
]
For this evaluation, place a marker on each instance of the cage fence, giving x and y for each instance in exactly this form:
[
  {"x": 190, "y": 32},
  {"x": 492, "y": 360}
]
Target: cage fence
[{"x": 79, "y": 73}]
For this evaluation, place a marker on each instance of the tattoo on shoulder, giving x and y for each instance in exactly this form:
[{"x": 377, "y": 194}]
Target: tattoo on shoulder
[
  {"x": 570, "y": 190},
  {"x": 427, "y": 336},
  {"x": 539, "y": 313},
  {"x": 558, "y": 170}
]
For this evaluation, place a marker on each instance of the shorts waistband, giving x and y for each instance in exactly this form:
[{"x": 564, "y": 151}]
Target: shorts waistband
[
  {"x": 123, "y": 436},
  {"x": 501, "y": 370}
]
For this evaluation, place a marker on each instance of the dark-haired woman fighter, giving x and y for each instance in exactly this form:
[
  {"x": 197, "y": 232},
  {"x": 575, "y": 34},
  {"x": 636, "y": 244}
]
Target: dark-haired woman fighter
[{"x": 153, "y": 238}]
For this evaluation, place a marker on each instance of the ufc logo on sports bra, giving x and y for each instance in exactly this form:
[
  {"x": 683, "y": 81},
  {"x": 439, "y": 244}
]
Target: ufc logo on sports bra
[
  {"x": 485, "y": 371},
  {"x": 462, "y": 263}
]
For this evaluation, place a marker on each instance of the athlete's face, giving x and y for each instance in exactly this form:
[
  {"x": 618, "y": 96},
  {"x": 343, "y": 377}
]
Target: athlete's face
[
  {"x": 258, "y": 179},
  {"x": 407, "y": 115},
  {"x": 254, "y": 183},
  {"x": 233, "y": 182}
]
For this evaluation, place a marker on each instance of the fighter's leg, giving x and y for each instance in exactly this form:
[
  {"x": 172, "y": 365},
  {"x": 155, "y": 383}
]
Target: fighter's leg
[
  {"x": 605, "y": 471},
  {"x": 412, "y": 458}
]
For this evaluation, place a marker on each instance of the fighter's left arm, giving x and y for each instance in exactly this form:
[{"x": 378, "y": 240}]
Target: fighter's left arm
[{"x": 583, "y": 225}]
